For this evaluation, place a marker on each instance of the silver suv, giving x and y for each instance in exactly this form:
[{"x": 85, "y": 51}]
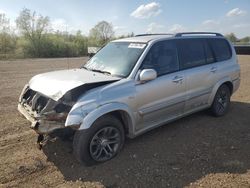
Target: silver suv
[{"x": 129, "y": 87}]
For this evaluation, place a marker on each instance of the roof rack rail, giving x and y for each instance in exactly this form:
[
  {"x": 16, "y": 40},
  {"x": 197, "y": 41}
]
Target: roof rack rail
[
  {"x": 198, "y": 33},
  {"x": 141, "y": 35}
]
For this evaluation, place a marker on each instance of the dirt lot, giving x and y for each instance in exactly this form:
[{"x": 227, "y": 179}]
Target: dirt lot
[{"x": 197, "y": 151}]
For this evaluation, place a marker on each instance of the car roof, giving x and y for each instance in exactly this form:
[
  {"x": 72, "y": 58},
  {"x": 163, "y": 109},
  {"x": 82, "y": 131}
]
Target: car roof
[{"x": 145, "y": 38}]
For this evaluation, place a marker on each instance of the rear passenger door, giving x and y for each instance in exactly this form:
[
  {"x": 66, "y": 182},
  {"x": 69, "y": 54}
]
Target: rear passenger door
[{"x": 196, "y": 59}]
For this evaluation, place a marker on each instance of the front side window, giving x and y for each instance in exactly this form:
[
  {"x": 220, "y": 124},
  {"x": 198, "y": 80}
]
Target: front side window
[
  {"x": 116, "y": 58},
  {"x": 191, "y": 53},
  {"x": 162, "y": 57}
]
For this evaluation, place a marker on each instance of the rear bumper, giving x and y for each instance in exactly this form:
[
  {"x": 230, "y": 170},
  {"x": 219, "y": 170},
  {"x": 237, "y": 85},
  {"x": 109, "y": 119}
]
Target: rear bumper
[{"x": 41, "y": 126}]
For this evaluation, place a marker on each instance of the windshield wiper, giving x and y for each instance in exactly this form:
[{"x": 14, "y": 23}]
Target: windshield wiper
[
  {"x": 101, "y": 71},
  {"x": 104, "y": 72},
  {"x": 83, "y": 67}
]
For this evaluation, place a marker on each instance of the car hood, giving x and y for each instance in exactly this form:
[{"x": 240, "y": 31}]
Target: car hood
[{"x": 56, "y": 84}]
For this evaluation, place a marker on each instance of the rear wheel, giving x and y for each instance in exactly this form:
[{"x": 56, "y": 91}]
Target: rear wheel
[
  {"x": 221, "y": 101},
  {"x": 101, "y": 142}
]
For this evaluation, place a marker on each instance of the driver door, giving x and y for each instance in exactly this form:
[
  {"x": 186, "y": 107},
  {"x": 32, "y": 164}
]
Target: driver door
[{"x": 163, "y": 98}]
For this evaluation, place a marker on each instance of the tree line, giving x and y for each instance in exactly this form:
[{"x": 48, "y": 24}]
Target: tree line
[
  {"x": 243, "y": 41},
  {"x": 33, "y": 38}
]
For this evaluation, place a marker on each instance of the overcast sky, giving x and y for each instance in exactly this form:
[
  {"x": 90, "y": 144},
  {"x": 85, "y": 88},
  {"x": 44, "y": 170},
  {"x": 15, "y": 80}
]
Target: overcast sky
[{"x": 127, "y": 16}]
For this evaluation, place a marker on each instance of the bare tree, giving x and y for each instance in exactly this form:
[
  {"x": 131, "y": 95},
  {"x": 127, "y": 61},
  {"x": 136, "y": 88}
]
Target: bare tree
[
  {"x": 33, "y": 27},
  {"x": 102, "y": 32},
  {"x": 7, "y": 38},
  {"x": 4, "y": 23}
]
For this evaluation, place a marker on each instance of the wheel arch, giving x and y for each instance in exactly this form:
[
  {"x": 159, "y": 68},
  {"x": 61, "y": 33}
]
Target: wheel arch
[
  {"x": 229, "y": 85},
  {"x": 119, "y": 110},
  {"x": 227, "y": 81}
]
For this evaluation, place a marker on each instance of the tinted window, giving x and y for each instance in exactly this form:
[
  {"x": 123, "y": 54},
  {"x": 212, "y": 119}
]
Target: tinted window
[
  {"x": 162, "y": 57},
  {"x": 221, "y": 49},
  {"x": 191, "y": 53},
  {"x": 209, "y": 54}
]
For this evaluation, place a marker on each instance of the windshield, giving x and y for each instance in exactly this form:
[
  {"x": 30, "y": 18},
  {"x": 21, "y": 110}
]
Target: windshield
[{"x": 116, "y": 58}]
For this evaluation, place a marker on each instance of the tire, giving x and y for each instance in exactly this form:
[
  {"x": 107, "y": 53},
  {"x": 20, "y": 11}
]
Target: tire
[
  {"x": 221, "y": 101},
  {"x": 101, "y": 142}
]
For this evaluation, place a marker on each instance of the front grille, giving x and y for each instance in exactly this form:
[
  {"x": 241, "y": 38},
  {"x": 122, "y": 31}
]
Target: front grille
[
  {"x": 34, "y": 100},
  {"x": 40, "y": 104},
  {"x": 28, "y": 96}
]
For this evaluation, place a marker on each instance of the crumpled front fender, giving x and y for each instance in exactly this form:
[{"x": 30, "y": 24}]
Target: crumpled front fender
[
  {"x": 75, "y": 117},
  {"x": 86, "y": 121},
  {"x": 79, "y": 111}
]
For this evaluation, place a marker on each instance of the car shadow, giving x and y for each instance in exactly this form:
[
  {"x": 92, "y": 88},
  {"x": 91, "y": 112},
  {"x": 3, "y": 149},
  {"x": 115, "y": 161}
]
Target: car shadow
[{"x": 173, "y": 155}]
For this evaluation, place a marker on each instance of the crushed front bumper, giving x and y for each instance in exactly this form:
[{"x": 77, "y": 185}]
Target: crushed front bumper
[{"x": 41, "y": 126}]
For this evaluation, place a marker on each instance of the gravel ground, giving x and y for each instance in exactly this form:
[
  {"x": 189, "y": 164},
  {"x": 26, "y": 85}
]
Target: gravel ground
[{"x": 197, "y": 151}]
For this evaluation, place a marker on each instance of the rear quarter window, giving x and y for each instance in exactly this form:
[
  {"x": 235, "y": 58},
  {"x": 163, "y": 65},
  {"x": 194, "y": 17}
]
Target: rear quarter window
[{"x": 221, "y": 49}]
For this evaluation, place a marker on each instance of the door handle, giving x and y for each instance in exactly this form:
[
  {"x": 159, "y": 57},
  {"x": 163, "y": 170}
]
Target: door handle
[
  {"x": 177, "y": 79},
  {"x": 213, "y": 69}
]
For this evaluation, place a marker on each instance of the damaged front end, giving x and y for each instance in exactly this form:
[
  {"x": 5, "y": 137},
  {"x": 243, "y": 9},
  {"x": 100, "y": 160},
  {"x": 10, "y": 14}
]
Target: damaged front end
[
  {"x": 49, "y": 100},
  {"x": 44, "y": 113},
  {"x": 53, "y": 117}
]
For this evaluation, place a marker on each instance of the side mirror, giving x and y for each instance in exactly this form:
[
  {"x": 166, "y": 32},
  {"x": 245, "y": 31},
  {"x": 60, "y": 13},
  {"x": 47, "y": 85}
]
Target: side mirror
[{"x": 147, "y": 75}]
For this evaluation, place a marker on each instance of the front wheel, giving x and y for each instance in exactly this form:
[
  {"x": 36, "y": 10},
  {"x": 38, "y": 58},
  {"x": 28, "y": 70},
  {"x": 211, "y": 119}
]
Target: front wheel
[
  {"x": 221, "y": 101},
  {"x": 101, "y": 142}
]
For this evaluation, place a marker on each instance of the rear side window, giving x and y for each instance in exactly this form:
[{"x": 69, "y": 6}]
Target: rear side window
[
  {"x": 221, "y": 49},
  {"x": 209, "y": 54},
  {"x": 191, "y": 53}
]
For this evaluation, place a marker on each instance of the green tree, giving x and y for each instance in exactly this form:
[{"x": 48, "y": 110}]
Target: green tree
[
  {"x": 245, "y": 40},
  {"x": 81, "y": 43},
  {"x": 101, "y": 33},
  {"x": 33, "y": 27},
  {"x": 232, "y": 37}
]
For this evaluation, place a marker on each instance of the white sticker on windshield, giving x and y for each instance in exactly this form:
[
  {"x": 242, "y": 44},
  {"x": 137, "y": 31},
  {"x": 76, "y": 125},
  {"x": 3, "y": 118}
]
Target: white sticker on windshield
[{"x": 136, "y": 45}]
